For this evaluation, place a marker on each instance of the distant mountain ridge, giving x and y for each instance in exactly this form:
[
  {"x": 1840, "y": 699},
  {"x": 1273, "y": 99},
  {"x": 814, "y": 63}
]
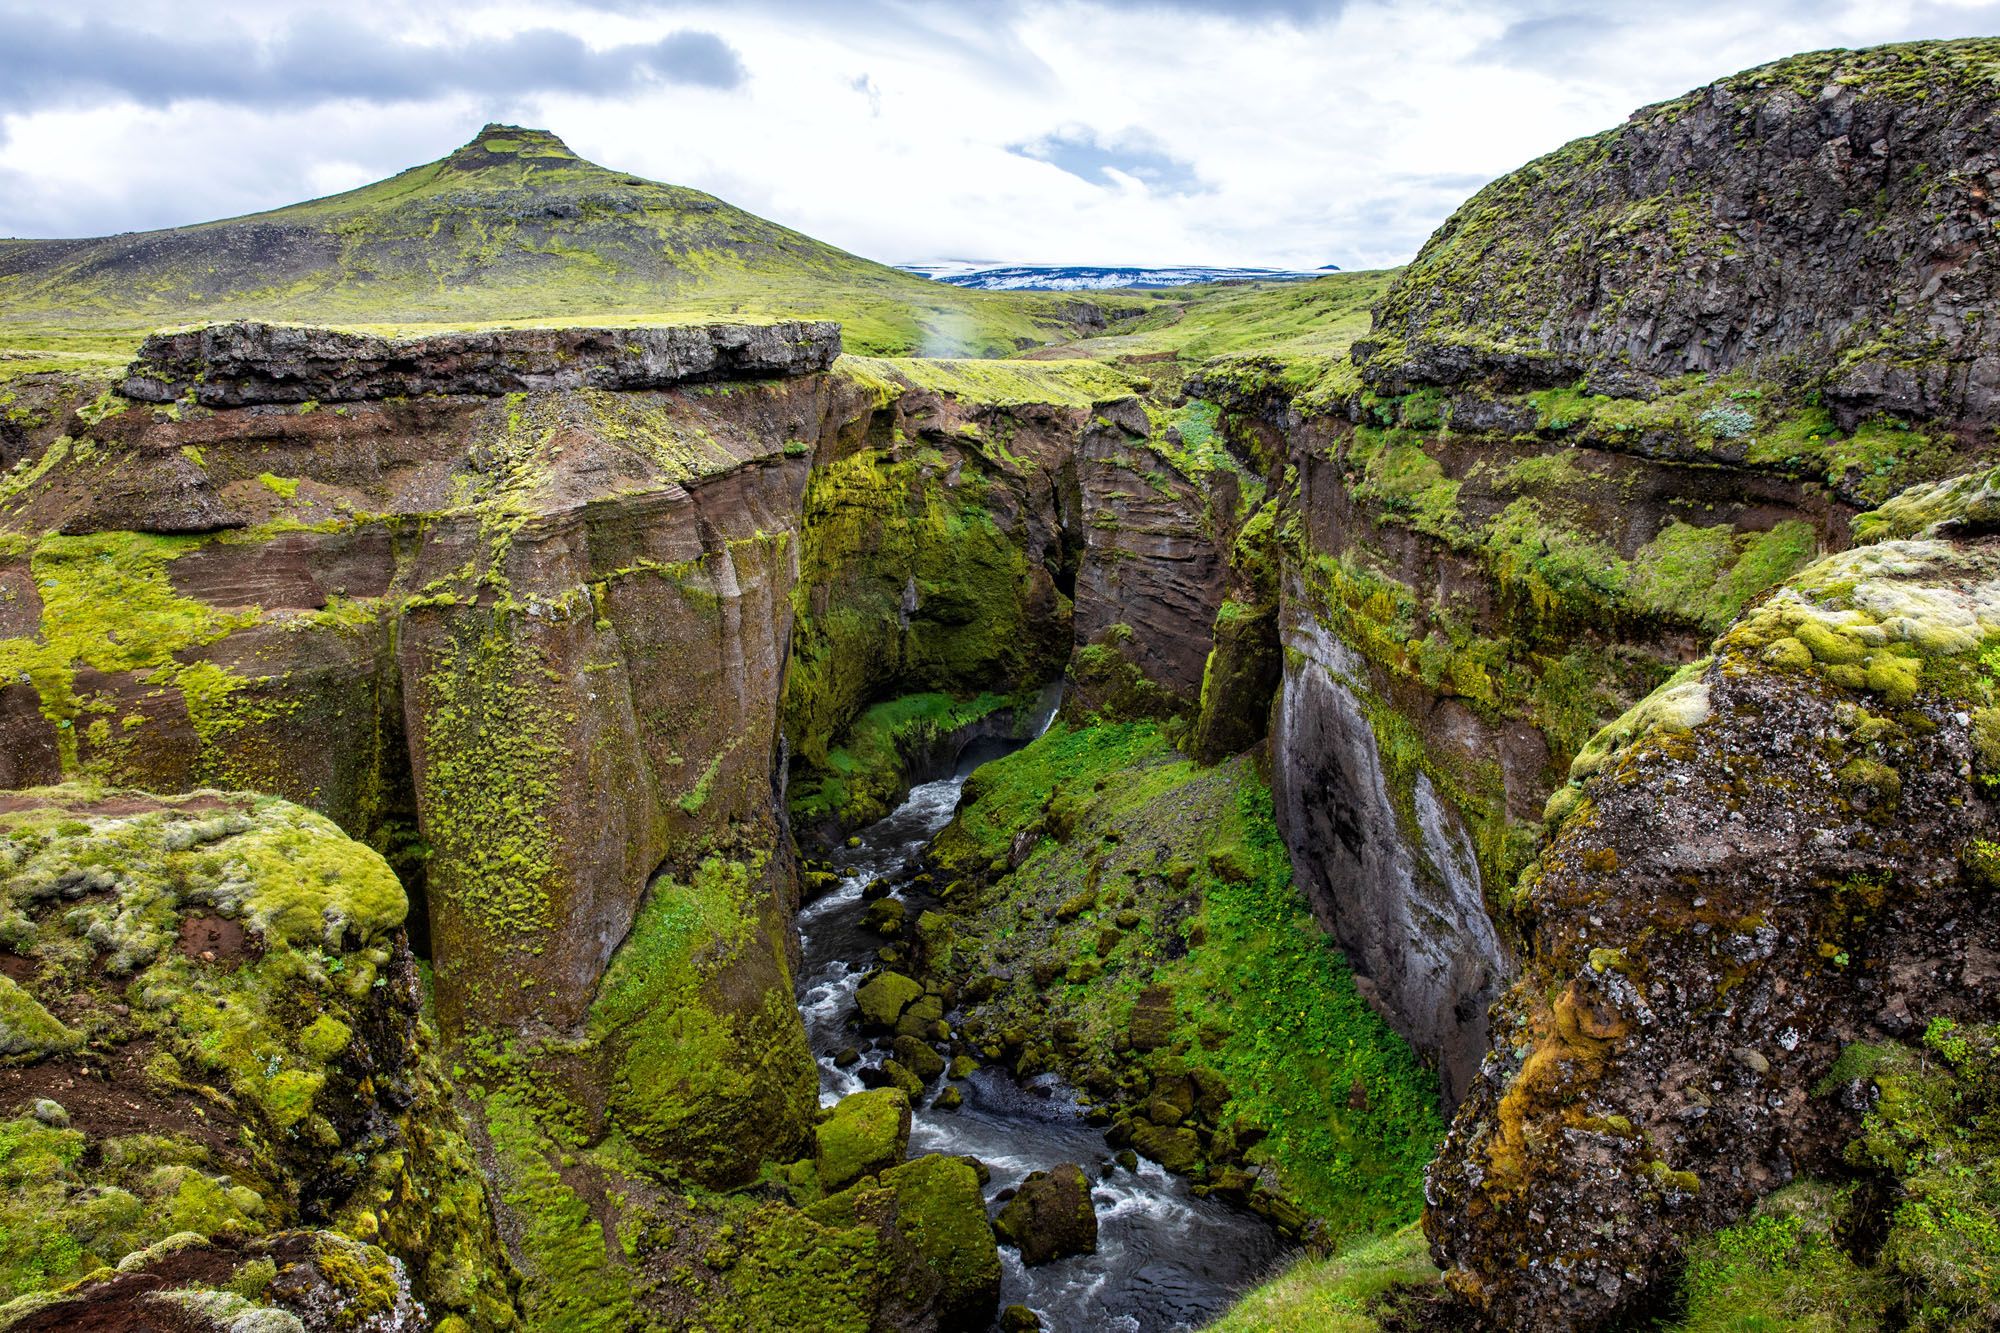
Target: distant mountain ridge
[{"x": 1101, "y": 277}]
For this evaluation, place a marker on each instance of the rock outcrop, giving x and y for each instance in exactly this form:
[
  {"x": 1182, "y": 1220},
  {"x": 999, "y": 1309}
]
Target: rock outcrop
[
  {"x": 518, "y": 608},
  {"x": 212, "y": 1035},
  {"x": 249, "y": 364},
  {"x": 1399, "y": 887},
  {"x": 1824, "y": 220},
  {"x": 1051, "y": 1216},
  {"x": 1784, "y": 852}
]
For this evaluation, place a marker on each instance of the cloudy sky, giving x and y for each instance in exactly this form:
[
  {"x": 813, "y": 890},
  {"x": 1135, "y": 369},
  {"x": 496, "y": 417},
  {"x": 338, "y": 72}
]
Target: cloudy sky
[{"x": 1279, "y": 132}]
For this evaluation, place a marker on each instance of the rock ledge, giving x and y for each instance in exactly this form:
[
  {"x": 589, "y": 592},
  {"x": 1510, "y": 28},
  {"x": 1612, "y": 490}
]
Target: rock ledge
[{"x": 245, "y": 364}]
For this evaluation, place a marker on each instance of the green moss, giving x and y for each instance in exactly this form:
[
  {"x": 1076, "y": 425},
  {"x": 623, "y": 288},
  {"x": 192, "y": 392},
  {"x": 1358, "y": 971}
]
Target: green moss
[
  {"x": 1341, "y": 1293},
  {"x": 1262, "y": 1002},
  {"x": 274, "y": 1037},
  {"x": 802, "y": 1272},
  {"x": 574, "y": 1283},
  {"x": 866, "y": 1133},
  {"x": 997, "y": 383},
  {"x": 109, "y": 605},
  {"x": 884, "y": 528},
  {"x": 1782, "y": 1268},
  {"x": 863, "y": 775},
  {"x": 942, "y": 1216},
  {"x": 28, "y": 1031},
  {"x": 495, "y": 747},
  {"x": 1406, "y": 483},
  {"x": 704, "y": 1083}
]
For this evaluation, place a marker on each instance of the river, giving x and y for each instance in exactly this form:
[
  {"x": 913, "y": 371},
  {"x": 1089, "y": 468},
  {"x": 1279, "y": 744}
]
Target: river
[{"x": 1166, "y": 1260}]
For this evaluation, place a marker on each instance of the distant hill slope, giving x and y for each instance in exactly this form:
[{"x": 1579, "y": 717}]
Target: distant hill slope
[{"x": 512, "y": 227}]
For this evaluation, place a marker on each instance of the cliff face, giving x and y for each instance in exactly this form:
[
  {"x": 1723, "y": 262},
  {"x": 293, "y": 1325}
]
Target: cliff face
[
  {"x": 1823, "y": 221},
  {"x": 1620, "y": 397},
  {"x": 524, "y": 610},
  {"x": 1782, "y": 855},
  {"x": 529, "y": 643}
]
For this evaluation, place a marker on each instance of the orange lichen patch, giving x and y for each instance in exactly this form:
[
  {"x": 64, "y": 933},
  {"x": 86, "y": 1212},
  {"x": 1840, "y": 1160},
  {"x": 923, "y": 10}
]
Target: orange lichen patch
[{"x": 1571, "y": 1039}]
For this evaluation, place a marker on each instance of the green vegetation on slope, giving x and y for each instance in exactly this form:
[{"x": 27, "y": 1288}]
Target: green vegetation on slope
[
  {"x": 1922, "y": 1253},
  {"x": 863, "y": 774},
  {"x": 1292, "y": 337},
  {"x": 511, "y": 228},
  {"x": 1162, "y": 958},
  {"x": 1341, "y": 1293}
]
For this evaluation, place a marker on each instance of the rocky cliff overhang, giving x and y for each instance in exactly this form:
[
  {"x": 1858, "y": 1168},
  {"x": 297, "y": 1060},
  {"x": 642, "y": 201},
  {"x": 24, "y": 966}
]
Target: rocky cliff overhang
[{"x": 251, "y": 364}]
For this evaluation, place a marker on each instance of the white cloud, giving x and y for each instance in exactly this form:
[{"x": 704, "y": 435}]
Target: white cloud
[{"x": 1287, "y": 132}]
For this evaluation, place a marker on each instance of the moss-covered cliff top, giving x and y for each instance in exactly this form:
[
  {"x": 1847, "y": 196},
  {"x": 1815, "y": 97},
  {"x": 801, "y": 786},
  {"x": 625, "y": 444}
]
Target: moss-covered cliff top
[{"x": 209, "y": 1025}]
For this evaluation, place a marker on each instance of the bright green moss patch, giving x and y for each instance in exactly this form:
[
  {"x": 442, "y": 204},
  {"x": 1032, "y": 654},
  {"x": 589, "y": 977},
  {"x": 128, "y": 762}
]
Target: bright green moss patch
[
  {"x": 1342, "y": 1293},
  {"x": 701, "y": 1080},
  {"x": 496, "y": 749},
  {"x": 574, "y": 1281},
  {"x": 1064, "y": 383},
  {"x": 227, "y": 962},
  {"x": 867, "y": 1132},
  {"x": 28, "y": 1031},
  {"x": 108, "y": 605},
  {"x": 1157, "y": 877}
]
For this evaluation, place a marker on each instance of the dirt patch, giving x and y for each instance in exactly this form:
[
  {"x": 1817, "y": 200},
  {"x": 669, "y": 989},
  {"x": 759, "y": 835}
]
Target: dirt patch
[
  {"x": 110, "y": 1095},
  {"x": 216, "y": 940},
  {"x": 18, "y": 969},
  {"x": 122, "y": 804}
]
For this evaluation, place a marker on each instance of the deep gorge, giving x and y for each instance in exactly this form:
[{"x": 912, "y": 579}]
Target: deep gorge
[{"x": 1513, "y": 827}]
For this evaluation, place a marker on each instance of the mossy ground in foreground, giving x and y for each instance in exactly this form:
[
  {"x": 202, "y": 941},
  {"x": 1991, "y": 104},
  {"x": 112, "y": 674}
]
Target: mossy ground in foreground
[{"x": 216, "y": 991}]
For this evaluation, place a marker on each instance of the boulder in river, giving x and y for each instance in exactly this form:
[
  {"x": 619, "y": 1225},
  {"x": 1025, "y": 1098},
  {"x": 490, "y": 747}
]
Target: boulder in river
[
  {"x": 867, "y": 1133},
  {"x": 884, "y": 997},
  {"x": 1050, "y": 1216}
]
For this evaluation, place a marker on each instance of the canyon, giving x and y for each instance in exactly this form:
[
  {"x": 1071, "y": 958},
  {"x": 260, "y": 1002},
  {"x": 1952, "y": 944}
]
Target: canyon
[{"x": 1488, "y": 768}]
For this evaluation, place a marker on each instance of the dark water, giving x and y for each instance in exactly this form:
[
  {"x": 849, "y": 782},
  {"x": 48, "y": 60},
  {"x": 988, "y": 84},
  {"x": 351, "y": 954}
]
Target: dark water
[{"x": 1165, "y": 1259}]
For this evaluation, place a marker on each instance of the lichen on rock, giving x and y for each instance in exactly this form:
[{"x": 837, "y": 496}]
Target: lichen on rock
[
  {"x": 1748, "y": 880},
  {"x": 238, "y": 1048}
]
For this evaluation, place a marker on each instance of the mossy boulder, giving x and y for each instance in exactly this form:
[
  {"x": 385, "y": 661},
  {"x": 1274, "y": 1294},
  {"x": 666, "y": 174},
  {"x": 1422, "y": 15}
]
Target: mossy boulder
[
  {"x": 1050, "y": 1217},
  {"x": 942, "y": 1213},
  {"x": 1175, "y": 1148},
  {"x": 245, "y": 1048},
  {"x": 919, "y": 1057},
  {"x": 884, "y": 916},
  {"x": 909, "y": 1249},
  {"x": 866, "y": 1133},
  {"x": 883, "y": 998}
]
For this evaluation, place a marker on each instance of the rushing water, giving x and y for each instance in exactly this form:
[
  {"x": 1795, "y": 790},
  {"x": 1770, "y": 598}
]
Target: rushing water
[{"x": 1165, "y": 1260}]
